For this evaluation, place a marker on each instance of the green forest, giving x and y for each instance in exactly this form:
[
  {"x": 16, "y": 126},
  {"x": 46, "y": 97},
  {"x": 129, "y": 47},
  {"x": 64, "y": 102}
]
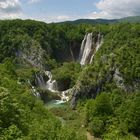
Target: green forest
[{"x": 106, "y": 91}]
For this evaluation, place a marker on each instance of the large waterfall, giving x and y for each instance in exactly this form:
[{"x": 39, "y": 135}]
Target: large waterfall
[
  {"x": 89, "y": 47},
  {"x": 85, "y": 49}
]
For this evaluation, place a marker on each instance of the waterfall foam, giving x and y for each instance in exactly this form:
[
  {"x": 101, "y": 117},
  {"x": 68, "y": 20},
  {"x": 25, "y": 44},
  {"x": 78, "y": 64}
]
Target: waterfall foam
[
  {"x": 51, "y": 84},
  {"x": 82, "y": 48}
]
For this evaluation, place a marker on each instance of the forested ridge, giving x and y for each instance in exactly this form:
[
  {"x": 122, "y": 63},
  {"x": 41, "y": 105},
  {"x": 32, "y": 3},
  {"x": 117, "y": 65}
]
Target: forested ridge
[{"x": 107, "y": 91}]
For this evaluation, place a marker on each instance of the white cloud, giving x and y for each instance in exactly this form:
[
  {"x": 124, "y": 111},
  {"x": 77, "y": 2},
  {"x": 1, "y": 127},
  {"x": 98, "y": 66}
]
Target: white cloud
[
  {"x": 62, "y": 18},
  {"x": 106, "y": 9},
  {"x": 58, "y": 18},
  {"x": 10, "y": 9},
  {"x": 34, "y": 1},
  {"x": 116, "y": 9}
]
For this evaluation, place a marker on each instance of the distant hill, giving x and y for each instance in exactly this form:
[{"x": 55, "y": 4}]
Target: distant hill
[
  {"x": 133, "y": 19},
  {"x": 91, "y": 21}
]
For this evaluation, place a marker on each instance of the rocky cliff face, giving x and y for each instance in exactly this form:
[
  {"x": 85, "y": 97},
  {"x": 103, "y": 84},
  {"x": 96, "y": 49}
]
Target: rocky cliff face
[
  {"x": 91, "y": 90},
  {"x": 119, "y": 79},
  {"x": 32, "y": 53},
  {"x": 69, "y": 53}
]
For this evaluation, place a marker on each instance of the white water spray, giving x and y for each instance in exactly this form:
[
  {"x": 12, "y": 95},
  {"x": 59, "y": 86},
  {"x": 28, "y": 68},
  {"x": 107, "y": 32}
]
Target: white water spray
[
  {"x": 86, "y": 48},
  {"x": 89, "y": 47},
  {"x": 51, "y": 84}
]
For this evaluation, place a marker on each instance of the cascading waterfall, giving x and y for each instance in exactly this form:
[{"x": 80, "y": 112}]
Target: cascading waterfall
[
  {"x": 98, "y": 45},
  {"x": 64, "y": 94},
  {"x": 86, "y": 49},
  {"x": 82, "y": 48},
  {"x": 40, "y": 81},
  {"x": 89, "y": 47},
  {"x": 51, "y": 84},
  {"x": 34, "y": 91}
]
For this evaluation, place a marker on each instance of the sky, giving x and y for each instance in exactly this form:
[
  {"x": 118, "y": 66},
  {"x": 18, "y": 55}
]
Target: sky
[{"x": 62, "y": 10}]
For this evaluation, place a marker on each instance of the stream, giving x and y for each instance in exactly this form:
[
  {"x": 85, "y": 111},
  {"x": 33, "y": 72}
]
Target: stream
[{"x": 55, "y": 103}]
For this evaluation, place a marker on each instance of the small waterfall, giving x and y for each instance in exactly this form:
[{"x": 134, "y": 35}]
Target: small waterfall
[
  {"x": 89, "y": 47},
  {"x": 99, "y": 41},
  {"x": 51, "y": 84},
  {"x": 40, "y": 81},
  {"x": 65, "y": 93},
  {"x": 64, "y": 96},
  {"x": 34, "y": 91},
  {"x": 98, "y": 45}
]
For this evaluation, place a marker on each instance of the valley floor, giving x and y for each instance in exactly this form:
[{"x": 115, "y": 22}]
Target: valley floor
[{"x": 72, "y": 119}]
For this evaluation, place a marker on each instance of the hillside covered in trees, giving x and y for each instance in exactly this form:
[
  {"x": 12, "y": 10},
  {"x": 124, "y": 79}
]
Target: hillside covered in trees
[
  {"x": 103, "y": 93},
  {"x": 130, "y": 19}
]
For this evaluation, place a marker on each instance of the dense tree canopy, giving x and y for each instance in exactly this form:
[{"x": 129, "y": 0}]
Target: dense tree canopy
[{"x": 28, "y": 47}]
